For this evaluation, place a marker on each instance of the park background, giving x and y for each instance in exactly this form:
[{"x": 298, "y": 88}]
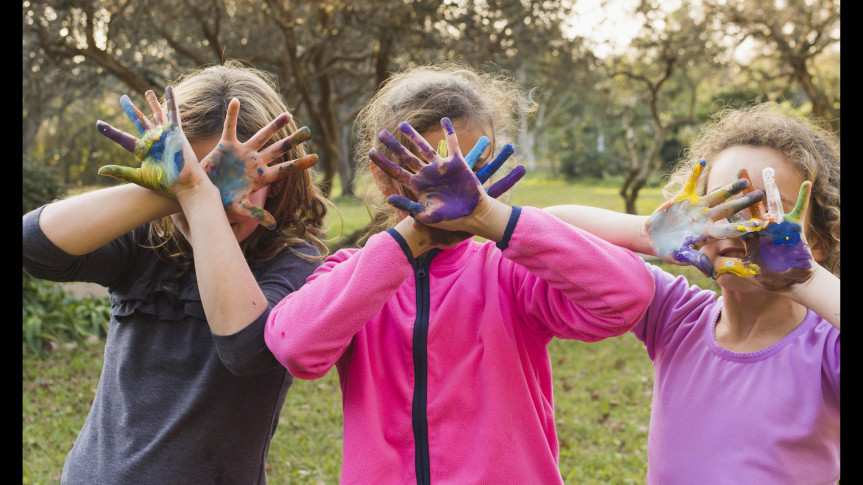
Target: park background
[{"x": 621, "y": 88}]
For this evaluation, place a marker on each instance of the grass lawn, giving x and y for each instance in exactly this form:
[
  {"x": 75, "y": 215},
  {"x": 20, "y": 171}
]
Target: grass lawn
[{"x": 602, "y": 390}]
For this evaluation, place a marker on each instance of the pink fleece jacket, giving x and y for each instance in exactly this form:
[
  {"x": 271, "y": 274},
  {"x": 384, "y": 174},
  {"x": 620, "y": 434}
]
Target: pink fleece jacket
[{"x": 444, "y": 371}]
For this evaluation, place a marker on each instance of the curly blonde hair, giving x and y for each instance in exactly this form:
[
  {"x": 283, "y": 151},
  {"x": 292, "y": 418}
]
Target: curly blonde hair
[
  {"x": 809, "y": 144},
  {"x": 296, "y": 202},
  {"x": 421, "y": 96}
]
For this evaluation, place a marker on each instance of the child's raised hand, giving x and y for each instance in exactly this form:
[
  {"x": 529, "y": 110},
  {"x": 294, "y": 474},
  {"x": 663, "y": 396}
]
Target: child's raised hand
[
  {"x": 685, "y": 222},
  {"x": 238, "y": 169},
  {"x": 777, "y": 257},
  {"x": 446, "y": 187},
  {"x": 162, "y": 149}
]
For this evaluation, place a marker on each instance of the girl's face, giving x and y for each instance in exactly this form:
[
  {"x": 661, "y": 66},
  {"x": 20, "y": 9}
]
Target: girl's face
[
  {"x": 724, "y": 169},
  {"x": 242, "y": 227}
]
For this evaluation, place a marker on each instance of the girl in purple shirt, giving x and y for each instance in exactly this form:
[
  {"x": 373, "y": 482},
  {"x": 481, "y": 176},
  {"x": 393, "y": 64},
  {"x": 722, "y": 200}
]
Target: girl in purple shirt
[{"x": 746, "y": 386}]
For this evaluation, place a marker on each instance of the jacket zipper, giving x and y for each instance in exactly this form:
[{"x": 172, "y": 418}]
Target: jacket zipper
[{"x": 420, "y": 357}]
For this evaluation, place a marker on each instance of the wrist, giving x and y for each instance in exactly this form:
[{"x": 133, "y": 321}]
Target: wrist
[
  {"x": 489, "y": 219},
  {"x": 418, "y": 241}
]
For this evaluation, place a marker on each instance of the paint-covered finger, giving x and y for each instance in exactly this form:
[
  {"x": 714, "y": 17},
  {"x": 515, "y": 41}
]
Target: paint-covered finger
[
  {"x": 695, "y": 258},
  {"x": 473, "y": 155},
  {"x": 724, "y": 192},
  {"x": 737, "y": 267},
  {"x": 802, "y": 202},
  {"x": 229, "y": 132},
  {"x": 127, "y": 174},
  {"x": 507, "y": 182},
  {"x": 688, "y": 189},
  {"x": 247, "y": 209},
  {"x": 260, "y": 138},
  {"x": 282, "y": 170},
  {"x": 137, "y": 118},
  {"x": 401, "y": 202},
  {"x": 774, "y": 199},
  {"x": 389, "y": 167},
  {"x": 733, "y": 229},
  {"x": 489, "y": 169},
  {"x": 404, "y": 155},
  {"x": 155, "y": 107},
  {"x": 283, "y": 146},
  {"x": 724, "y": 210},
  {"x": 758, "y": 211},
  {"x": 451, "y": 139},
  {"x": 171, "y": 103},
  {"x": 123, "y": 139},
  {"x": 426, "y": 151},
  {"x": 441, "y": 149}
]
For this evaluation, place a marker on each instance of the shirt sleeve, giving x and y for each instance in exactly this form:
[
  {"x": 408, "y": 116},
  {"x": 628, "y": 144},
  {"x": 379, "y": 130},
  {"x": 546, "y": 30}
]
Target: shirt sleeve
[
  {"x": 45, "y": 260},
  {"x": 245, "y": 352},
  {"x": 572, "y": 284},
  {"x": 674, "y": 300},
  {"x": 310, "y": 329}
]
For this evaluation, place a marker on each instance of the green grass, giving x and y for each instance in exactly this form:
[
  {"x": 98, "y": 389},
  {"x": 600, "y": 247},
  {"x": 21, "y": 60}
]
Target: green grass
[{"x": 602, "y": 390}]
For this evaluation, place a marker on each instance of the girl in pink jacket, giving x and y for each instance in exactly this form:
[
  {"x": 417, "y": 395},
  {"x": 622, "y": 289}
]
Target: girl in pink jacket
[{"x": 440, "y": 341}]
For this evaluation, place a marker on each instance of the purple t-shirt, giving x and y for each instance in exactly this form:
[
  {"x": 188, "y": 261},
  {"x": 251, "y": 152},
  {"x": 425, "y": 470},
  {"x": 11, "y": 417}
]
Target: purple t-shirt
[{"x": 722, "y": 417}]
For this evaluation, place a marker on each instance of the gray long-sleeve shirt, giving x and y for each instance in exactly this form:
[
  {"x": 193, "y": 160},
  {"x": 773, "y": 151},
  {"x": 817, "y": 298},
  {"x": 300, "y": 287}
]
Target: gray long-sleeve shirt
[{"x": 175, "y": 404}]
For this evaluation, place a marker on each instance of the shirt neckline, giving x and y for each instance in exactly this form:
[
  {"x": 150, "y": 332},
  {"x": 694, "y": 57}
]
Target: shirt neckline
[{"x": 808, "y": 321}]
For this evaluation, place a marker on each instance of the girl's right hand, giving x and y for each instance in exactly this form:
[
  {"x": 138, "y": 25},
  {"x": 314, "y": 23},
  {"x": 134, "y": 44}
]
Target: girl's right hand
[
  {"x": 162, "y": 149},
  {"x": 685, "y": 222}
]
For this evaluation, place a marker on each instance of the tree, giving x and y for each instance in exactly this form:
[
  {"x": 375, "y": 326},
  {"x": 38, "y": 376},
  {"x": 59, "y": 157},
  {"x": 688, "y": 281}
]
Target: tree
[
  {"x": 657, "y": 82},
  {"x": 790, "y": 36}
]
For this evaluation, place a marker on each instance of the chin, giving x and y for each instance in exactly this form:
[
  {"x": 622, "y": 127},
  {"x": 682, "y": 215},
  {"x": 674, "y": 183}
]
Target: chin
[{"x": 733, "y": 283}]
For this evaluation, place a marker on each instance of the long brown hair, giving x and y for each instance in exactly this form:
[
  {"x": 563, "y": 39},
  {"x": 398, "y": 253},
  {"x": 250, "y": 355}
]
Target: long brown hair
[
  {"x": 809, "y": 144},
  {"x": 296, "y": 202}
]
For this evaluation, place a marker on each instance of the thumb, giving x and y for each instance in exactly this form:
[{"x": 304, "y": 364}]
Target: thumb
[{"x": 127, "y": 174}]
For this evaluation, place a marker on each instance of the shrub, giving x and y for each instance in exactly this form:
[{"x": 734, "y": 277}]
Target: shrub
[
  {"x": 51, "y": 314},
  {"x": 38, "y": 185}
]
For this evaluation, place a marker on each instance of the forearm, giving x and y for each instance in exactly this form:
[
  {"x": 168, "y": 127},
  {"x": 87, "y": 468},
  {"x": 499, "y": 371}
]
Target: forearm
[
  {"x": 820, "y": 294},
  {"x": 620, "y": 229},
  {"x": 229, "y": 292},
  {"x": 81, "y": 224},
  {"x": 605, "y": 288},
  {"x": 310, "y": 329}
]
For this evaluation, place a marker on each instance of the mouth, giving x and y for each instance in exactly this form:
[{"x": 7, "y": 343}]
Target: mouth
[{"x": 732, "y": 252}]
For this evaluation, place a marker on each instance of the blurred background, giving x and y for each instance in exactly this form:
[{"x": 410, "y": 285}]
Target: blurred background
[{"x": 622, "y": 85}]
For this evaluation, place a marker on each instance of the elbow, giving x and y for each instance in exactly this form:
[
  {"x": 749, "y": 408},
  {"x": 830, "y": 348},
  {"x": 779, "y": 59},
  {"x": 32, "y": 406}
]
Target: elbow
[
  {"x": 638, "y": 298},
  {"x": 293, "y": 355}
]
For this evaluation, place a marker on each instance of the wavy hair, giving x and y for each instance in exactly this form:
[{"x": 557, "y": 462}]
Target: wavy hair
[
  {"x": 809, "y": 144},
  {"x": 421, "y": 96},
  {"x": 296, "y": 202}
]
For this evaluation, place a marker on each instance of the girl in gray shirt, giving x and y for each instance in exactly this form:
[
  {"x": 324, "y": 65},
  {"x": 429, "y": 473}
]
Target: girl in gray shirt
[{"x": 194, "y": 256}]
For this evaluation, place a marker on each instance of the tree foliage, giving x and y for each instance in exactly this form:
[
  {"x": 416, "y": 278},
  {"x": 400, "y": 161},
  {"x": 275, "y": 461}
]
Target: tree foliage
[{"x": 622, "y": 114}]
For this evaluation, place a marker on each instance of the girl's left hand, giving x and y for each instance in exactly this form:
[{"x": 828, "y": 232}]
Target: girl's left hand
[
  {"x": 238, "y": 169},
  {"x": 777, "y": 258},
  {"x": 447, "y": 189}
]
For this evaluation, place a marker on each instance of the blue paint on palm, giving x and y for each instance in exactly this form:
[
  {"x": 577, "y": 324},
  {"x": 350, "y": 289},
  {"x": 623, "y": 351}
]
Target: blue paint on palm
[
  {"x": 228, "y": 174},
  {"x": 781, "y": 248}
]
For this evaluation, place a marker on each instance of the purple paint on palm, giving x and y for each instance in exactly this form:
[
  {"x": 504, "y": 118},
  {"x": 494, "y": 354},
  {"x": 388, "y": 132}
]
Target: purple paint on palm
[{"x": 780, "y": 247}]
